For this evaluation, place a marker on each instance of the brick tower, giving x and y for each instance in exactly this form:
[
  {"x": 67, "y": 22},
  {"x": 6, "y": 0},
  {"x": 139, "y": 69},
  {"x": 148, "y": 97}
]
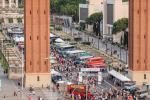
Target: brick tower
[
  {"x": 139, "y": 41},
  {"x": 37, "y": 43}
]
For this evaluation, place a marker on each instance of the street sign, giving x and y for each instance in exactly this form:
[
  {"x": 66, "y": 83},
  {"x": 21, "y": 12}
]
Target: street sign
[
  {"x": 80, "y": 76},
  {"x": 99, "y": 77},
  {"x": 0, "y": 85}
]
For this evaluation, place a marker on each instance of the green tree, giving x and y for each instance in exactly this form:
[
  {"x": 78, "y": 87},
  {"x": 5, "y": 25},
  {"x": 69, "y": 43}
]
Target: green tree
[
  {"x": 54, "y": 6},
  {"x": 66, "y": 7},
  {"x": 95, "y": 20},
  {"x": 120, "y": 25},
  {"x": 96, "y": 17}
]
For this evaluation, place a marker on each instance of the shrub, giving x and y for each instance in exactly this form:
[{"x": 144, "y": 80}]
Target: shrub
[
  {"x": 86, "y": 43},
  {"x": 77, "y": 39},
  {"x": 58, "y": 28}
]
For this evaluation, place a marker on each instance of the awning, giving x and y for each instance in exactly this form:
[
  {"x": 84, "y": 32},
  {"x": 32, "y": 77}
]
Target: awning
[{"x": 119, "y": 76}]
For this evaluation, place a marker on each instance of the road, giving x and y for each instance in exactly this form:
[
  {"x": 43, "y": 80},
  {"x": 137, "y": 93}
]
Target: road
[
  {"x": 72, "y": 74},
  {"x": 7, "y": 87},
  {"x": 107, "y": 47}
]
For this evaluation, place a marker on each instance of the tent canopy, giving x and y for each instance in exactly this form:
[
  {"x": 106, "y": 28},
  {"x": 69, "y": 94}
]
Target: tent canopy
[
  {"x": 19, "y": 39},
  {"x": 59, "y": 40},
  {"x": 52, "y": 35}
]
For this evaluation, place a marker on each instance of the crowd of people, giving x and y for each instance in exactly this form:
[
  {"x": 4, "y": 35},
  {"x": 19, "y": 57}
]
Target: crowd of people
[{"x": 69, "y": 71}]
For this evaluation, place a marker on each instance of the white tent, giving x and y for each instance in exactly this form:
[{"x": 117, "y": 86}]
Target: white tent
[
  {"x": 19, "y": 39},
  {"x": 69, "y": 83},
  {"x": 59, "y": 40},
  {"x": 52, "y": 35}
]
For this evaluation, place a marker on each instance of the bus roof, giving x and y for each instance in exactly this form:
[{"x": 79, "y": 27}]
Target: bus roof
[{"x": 119, "y": 76}]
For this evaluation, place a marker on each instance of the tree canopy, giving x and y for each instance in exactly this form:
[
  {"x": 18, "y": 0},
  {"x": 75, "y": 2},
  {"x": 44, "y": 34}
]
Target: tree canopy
[
  {"x": 120, "y": 25},
  {"x": 66, "y": 7},
  {"x": 96, "y": 17}
]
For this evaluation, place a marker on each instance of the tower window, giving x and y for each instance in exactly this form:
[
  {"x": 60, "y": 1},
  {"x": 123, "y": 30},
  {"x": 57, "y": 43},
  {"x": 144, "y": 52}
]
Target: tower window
[
  {"x": 144, "y": 76},
  {"x": 30, "y": 12},
  {"x": 44, "y": 12},
  {"x": 137, "y": 61},
  {"x": 144, "y": 36},
  {"x": 38, "y": 78},
  {"x": 45, "y": 62},
  {"x": 138, "y": 11},
  {"x": 144, "y": 61},
  {"x": 37, "y": 37},
  {"x": 30, "y": 62},
  {"x": 30, "y": 37}
]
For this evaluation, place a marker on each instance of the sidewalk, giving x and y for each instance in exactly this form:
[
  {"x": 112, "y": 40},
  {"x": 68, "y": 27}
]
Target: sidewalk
[{"x": 7, "y": 87}]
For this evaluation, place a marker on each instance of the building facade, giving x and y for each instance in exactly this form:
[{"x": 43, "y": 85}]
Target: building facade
[
  {"x": 16, "y": 17},
  {"x": 37, "y": 43},
  {"x": 95, "y": 6},
  {"x": 113, "y": 10},
  {"x": 8, "y": 3},
  {"x": 92, "y": 6},
  {"x": 139, "y": 41}
]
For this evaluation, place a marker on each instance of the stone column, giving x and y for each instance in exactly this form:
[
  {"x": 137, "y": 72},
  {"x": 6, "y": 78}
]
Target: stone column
[
  {"x": 3, "y": 3},
  {"x": 10, "y": 3},
  {"x": 16, "y": 3}
]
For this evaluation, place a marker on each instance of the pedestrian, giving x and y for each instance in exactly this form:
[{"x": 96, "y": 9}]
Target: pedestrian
[
  {"x": 4, "y": 98},
  {"x": 15, "y": 94}
]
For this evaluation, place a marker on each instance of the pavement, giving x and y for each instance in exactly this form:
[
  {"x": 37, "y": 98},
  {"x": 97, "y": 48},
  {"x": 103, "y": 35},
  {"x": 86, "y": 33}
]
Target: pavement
[{"x": 7, "y": 87}]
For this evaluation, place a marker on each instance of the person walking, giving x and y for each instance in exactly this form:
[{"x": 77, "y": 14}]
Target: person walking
[{"x": 4, "y": 98}]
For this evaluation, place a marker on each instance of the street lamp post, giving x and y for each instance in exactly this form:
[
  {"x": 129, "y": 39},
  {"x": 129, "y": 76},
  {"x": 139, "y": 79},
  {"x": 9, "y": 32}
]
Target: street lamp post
[
  {"x": 98, "y": 43},
  {"x": 22, "y": 72},
  {"x": 111, "y": 50},
  {"x": 86, "y": 90},
  {"x": 72, "y": 93},
  {"x": 120, "y": 53},
  {"x": 126, "y": 56},
  {"x": 106, "y": 47}
]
